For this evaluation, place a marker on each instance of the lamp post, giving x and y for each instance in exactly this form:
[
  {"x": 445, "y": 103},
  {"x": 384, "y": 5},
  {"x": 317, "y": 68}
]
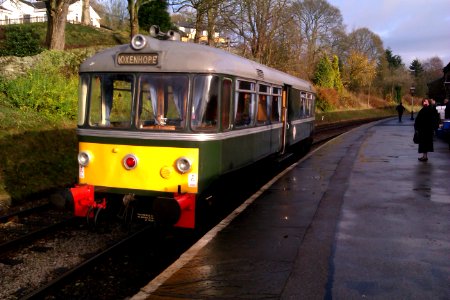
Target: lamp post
[{"x": 412, "y": 90}]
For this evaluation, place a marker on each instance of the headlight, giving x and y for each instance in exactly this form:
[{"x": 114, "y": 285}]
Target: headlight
[
  {"x": 138, "y": 42},
  {"x": 130, "y": 161},
  {"x": 183, "y": 165},
  {"x": 84, "y": 158}
]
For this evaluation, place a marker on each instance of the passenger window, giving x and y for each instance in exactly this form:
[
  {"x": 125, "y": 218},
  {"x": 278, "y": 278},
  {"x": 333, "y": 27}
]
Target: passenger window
[
  {"x": 263, "y": 102},
  {"x": 310, "y": 103},
  {"x": 245, "y": 100},
  {"x": 303, "y": 105},
  {"x": 295, "y": 105},
  {"x": 226, "y": 103},
  {"x": 204, "y": 111},
  {"x": 275, "y": 105}
]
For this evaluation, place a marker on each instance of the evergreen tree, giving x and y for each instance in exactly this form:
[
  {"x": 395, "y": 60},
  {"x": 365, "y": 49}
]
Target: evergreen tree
[
  {"x": 324, "y": 75},
  {"x": 394, "y": 61},
  {"x": 337, "y": 75},
  {"x": 416, "y": 68},
  {"x": 154, "y": 13}
]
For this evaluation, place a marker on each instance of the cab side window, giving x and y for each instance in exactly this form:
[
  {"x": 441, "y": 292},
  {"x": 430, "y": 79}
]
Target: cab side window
[{"x": 111, "y": 101}]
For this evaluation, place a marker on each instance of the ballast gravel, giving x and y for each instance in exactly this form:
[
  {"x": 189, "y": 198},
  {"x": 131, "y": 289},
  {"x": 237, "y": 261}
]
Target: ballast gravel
[{"x": 39, "y": 263}]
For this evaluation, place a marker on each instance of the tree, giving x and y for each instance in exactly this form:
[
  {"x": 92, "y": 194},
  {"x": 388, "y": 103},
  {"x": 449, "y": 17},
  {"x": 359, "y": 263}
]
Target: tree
[
  {"x": 434, "y": 78},
  {"x": 417, "y": 73},
  {"x": 57, "y": 11},
  {"x": 204, "y": 14},
  {"x": 337, "y": 84},
  {"x": 211, "y": 19},
  {"x": 416, "y": 68},
  {"x": 318, "y": 21},
  {"x": 364, "y": 41},
  {"x": 154, "y": 13},
  {"x": 432, "y": 68},
  {"x": 360, "y": 71},
  {"x": 85, "y": 15},
  {"x": 394, "y": 74},
  {"x": 394, "y": 61},
  {"x": 113, "y": 12},
  {"x": 426, "y": 72},
  {"x": 133, "y": 10},
  {"x": 180, "y": 18},
  {"x": 324, "y": 75},
  {"x": 286, "y": 48},
  {"x": 256, "y": 24}
]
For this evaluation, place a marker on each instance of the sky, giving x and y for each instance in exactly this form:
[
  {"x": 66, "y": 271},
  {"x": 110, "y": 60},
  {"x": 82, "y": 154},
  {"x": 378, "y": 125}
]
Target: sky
[{"x": 410, "y": 28}]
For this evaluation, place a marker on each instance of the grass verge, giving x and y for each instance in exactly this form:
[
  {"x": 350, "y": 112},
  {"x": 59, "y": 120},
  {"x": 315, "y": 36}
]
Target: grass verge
[
  {"x": 337, "y": 116},
  {"x": 37, "y": 153}
]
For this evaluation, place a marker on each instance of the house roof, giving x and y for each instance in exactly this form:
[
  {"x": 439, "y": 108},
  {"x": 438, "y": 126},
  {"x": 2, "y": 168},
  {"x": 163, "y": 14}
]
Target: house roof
[
  {"x": 3, "y": 8},
  {"x": 37, "y": 5},
  {"x": 41, "y": 4}
]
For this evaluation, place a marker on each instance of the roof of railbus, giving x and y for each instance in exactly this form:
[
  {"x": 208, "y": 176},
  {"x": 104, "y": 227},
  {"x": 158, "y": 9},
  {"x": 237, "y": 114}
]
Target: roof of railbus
[{"x": 182, "y": 57}]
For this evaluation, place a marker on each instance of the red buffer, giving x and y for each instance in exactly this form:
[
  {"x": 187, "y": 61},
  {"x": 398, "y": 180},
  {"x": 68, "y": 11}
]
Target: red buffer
[
  {"x": 84, "y": 200},
  {"x": 186, "y": 203}
]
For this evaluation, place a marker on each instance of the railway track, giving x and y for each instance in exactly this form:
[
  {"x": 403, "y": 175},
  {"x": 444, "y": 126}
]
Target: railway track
[
  {"x": 32, "y": 264},
  {"x": 71, "y": 273},
  {"x": 329, "y": 131},
  {"x": 120, "y": 263},
  {"x": 24, "y": 226}
]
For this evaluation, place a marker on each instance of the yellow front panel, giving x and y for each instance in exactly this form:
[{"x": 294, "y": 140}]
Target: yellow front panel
[{"x": 155, "y": 170}]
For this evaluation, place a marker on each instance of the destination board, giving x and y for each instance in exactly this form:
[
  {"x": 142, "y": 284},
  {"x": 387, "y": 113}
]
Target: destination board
[{"x": 137, "y": 59}]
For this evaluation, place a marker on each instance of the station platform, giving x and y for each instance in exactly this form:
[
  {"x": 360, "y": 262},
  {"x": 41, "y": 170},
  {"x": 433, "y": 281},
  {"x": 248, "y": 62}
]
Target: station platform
[{"x": 360, "y": 217}]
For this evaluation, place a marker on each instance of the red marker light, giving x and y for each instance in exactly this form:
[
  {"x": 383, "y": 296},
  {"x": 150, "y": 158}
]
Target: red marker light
[{"x": 130, "y": 162}]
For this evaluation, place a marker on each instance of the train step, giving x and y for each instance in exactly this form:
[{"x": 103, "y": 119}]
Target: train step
[{"x": 283, "y": 157}]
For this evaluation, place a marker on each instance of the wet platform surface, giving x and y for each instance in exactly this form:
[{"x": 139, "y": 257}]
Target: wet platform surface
[{"x": 360, "y": 217}]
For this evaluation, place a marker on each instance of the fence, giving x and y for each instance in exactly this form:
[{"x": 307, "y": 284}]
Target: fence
[
  {"x": 24, "y": 20},
  {"x": 29, "y": 20}
]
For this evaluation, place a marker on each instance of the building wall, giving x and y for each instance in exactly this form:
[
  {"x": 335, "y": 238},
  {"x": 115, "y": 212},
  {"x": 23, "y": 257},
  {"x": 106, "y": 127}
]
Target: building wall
[
  {"x": 12, "y": 13},
  {"x": 76, "y": 11}
]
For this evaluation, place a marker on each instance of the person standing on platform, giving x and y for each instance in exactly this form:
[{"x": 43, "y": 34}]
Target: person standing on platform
[
  {"x": 425, "y": 124},
  {"x": 447, "y": 109},
  {"x": 400, "y": 109},
  {"x": 447, "y": 117},
  {"x": 437, "y": 115}
]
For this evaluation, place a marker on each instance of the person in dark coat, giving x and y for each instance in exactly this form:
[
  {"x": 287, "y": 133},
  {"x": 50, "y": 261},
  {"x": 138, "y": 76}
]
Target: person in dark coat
[
  {"x": 447, "y": 117},
  {"x": 447, "y": 109},
  {"x": 425, "y": 124},
  {"x": 400, "y": 109}
]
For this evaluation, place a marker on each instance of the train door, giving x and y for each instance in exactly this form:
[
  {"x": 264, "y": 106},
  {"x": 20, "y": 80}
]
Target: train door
[{"x": 284, "y": 121}]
